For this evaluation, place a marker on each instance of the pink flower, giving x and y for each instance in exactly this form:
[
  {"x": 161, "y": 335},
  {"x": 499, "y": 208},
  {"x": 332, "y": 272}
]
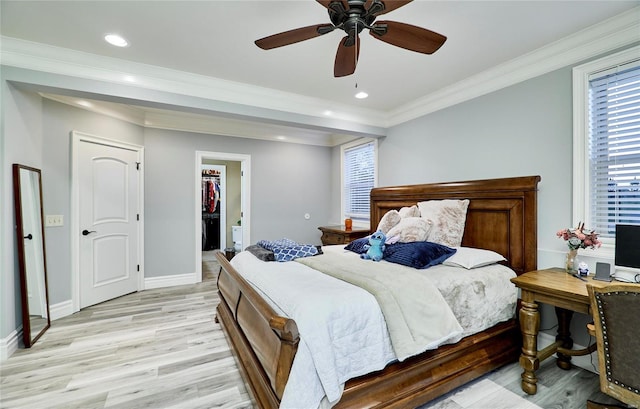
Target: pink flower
[{"x": 578, "y": 239}]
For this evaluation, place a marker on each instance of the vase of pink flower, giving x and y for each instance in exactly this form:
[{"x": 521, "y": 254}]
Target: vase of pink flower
[{"x": 578, "y": 238}]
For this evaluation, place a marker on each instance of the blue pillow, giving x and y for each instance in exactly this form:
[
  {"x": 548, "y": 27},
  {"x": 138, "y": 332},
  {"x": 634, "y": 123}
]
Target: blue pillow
[
  {"x": 358, "y": 245},
  {"x": 417, "y": 254}
]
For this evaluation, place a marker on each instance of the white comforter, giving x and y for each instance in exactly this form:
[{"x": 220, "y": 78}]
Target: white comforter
[{"x": 340, "y": 339}]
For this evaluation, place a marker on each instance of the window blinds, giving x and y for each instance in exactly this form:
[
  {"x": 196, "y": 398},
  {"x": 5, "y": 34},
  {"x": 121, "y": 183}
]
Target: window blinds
[
  {"x": 359, "y": 177},
  {"x": 614, "y": 147}
]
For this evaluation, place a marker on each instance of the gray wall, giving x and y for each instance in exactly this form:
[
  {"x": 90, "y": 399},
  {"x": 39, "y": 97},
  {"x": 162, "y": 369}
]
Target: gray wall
[
  {"x": 525, "y": 129},
  {"x": 59, "y": 120},
  {"x": 21, "y": 143},
  {"x": 286, "y": 182}
]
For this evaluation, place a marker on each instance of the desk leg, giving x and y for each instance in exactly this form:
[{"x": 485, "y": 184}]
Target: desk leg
[
  {"x": 564, "y": 336},
  {"x": 529, "y": 326}
]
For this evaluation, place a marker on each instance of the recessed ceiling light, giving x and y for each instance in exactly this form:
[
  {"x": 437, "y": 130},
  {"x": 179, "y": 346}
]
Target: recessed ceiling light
[
  {"x": 129, "y": 78},
  {"x": 85, "y": 103},
  {"x": 281, "y": 138},
  {"x": 115, "y": 39},
  {"x": 361, "y": 95}
]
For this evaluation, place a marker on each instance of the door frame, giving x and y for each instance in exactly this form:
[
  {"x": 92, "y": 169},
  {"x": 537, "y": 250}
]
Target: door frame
[
  {"x": 77, "y": 138},
  {"x": 245, "y": 198}
]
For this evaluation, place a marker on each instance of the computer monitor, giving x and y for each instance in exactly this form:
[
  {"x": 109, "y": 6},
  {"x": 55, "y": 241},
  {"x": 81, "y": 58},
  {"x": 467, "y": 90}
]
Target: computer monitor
[{"x": 627, "y": 254}]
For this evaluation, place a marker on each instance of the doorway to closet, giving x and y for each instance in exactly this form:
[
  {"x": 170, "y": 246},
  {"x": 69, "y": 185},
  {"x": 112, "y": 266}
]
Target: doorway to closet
[
  {"x": 222, "y": 204},
  {"x": 215, "y": 196}
]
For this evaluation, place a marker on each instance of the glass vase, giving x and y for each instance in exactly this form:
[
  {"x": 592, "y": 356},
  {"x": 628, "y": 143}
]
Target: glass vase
[{"x": 570, "y": 263}]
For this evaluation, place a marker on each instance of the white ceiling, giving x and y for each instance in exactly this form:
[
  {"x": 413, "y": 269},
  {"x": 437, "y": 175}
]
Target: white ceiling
[{"x": 215, "y": 38}]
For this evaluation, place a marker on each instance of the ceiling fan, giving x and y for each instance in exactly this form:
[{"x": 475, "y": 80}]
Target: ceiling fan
[{"x": 353, "y": 16}]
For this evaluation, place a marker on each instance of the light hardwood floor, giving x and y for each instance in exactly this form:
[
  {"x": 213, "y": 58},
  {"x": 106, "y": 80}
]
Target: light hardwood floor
[{"x": 162, "y": 349}]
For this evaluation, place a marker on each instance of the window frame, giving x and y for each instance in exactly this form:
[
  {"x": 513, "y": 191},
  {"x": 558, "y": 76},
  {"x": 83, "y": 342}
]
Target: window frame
[
  {"x": 362, "y": 141},
  {"x": 581, "y": 172}
]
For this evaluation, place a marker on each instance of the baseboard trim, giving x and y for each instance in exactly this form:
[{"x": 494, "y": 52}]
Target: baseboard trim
[
  {"x": 169, "y": 281},
  {"x": 10, "y": 344},
  {"x": 61, "y": 310},
  {"x": 587, "y": 362}
]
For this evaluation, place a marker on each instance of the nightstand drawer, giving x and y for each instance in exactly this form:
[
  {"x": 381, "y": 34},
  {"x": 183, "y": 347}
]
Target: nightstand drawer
[{"x": 333, "y": 238}]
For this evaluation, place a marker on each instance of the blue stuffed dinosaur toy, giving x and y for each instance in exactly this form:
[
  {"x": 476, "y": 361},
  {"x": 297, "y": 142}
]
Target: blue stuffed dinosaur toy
[{"x": 375, "y": 248}]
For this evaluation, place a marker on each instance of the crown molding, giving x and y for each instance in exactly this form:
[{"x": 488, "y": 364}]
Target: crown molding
[
  {"x": 609, "y": 35},
  {"x": 63, "y": 61}
]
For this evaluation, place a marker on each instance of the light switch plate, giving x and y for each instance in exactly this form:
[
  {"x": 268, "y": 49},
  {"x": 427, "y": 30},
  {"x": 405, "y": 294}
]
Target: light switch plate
[{"x": 53, "y": 220}]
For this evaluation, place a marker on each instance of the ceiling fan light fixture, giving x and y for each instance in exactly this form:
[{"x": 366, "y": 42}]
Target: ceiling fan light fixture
[
  {"x": 115, "y": 39},
  {"x": 352, "y": 17},
  {"x": 361, "y": 95}
]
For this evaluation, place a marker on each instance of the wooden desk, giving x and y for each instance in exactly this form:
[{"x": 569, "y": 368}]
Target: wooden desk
[{"x": 567, "y": 294}]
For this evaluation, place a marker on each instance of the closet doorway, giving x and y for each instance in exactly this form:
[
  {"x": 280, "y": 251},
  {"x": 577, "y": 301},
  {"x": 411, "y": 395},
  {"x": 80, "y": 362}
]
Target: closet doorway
[
  {"x": 222, "y": 211},
  {"x": 214, "y": 205}
]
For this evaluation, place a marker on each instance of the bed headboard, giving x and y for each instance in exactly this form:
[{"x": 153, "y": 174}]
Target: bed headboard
[{"x": 502, "y": 214}]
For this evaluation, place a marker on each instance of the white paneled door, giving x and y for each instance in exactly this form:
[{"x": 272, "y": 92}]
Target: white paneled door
[{"x": 108, "y": 222}]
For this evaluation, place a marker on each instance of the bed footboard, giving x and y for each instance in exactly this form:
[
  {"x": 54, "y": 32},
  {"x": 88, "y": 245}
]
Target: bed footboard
[{"x": 258, "y": 334}]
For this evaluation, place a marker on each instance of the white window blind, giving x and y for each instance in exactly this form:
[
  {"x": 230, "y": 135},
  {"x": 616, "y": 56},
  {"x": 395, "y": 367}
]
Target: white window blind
[
  {"x": 614, "y": 147},
  {"x": 359, "y": 179}
]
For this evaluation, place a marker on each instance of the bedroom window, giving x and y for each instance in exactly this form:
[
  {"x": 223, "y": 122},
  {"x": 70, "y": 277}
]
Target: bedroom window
[
  {"x": 359, "y": 176},
  {"x": 607, "y": 143}
]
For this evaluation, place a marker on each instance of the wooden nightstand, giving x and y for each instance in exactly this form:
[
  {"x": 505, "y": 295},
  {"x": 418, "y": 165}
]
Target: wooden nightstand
[
  {"x": 338, "y": 235},
  {"x": 567, "y": 294}
]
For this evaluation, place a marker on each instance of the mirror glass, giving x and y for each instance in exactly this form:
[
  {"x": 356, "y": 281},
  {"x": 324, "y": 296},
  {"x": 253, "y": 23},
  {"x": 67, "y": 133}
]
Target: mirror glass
[{"x": 27, "y": 191}]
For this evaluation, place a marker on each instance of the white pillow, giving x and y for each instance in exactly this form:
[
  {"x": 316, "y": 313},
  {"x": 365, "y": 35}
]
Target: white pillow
[
  {"x": 469, "y": 258},
  {"x": 448, "y": 217}
]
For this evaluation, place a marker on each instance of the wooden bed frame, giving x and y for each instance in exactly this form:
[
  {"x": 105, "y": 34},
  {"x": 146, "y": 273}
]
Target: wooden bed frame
[{"x": 502, "y": 216}]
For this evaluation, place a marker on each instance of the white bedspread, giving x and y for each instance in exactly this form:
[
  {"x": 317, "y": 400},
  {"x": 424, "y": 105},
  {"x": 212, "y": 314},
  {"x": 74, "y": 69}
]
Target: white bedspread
[
  {"x": 340, "y": 339},
  {"x": 347, "y": 336},
  {"x": 417, "y": 315}
]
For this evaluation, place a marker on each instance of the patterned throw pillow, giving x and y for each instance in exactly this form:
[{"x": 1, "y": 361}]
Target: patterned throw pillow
[
  {"x": 448, "y": 217},
  {"x": 293, "y": 252}
]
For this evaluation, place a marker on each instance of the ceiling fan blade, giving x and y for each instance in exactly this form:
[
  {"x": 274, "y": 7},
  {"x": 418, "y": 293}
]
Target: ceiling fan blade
[
  {"x": 293, "y": 36},
  {"x": 327, "y": 3},
  {"x": 409, "y": 37},
  {"x": 346, "y": 57},
  {"x": 390, "y": 5}
]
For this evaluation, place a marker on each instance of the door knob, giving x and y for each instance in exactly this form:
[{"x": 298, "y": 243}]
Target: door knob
[
  {"x": 28, "y": 236},
  {"x": 86, "y": 232}
]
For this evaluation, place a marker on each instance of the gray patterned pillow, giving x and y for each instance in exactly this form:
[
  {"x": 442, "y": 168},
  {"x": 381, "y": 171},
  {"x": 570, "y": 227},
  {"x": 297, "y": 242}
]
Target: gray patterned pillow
[
  {"x": 390, "y": 219},
  {"x": 409, "y": 211},
  {"x": 410, "y": 229},
  {"x": 448, "y": 217}
]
